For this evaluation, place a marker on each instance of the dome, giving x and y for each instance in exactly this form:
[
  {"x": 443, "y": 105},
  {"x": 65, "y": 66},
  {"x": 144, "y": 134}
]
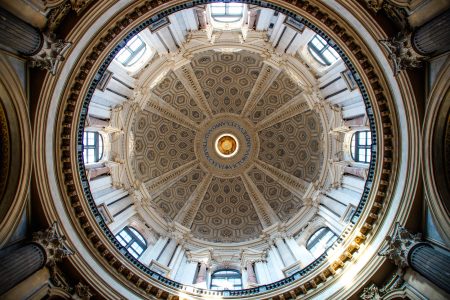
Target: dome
[
  {"x": 228, "y": 148},
  {"x": 290, "y": 145},
  {"x": 223, "y": 150}
]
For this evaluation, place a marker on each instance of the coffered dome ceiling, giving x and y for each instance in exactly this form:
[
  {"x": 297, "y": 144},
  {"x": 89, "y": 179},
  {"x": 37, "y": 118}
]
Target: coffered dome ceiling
[{"x": 267, "y": 145}]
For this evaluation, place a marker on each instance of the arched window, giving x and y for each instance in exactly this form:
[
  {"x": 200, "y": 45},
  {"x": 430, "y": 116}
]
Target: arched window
[
  {"x": 132, "y": 240},
  {"x": 227, "y": 12},
  {"x": 226, "y": 279},
  {"x": 92, "y": 147},
  {"x": 132, "y": 52},
  {"x": 360, "y": 146},
  {"x": 320, "y": 241},
  {"x": 321, "y": 51}
]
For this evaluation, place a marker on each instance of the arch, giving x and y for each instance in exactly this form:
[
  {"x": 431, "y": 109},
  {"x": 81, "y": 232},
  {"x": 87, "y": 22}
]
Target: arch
[
  {"x": 15, "y": 150},
  {"x": 132, "y": 240},
  {"x": 322, "y": 52},
  {"x": 320, "y": 241},
  {"x": 93, "y": 147},
  {"x": 132, "y": 52},
  {"x": 360, "y": 146},
  {"x": 226, "y": 279}
]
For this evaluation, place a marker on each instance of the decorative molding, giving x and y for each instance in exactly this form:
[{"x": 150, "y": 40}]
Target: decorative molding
[
  {"x": 189, "y": 80},
  {"x": 402, "y": 53},
  {"x": 265, "y": 78},
  {"x": 51, "y": 53},
  {"x": 54, "y": 243},
  {"x": 265, "y": 213},
  {"x": 399, "y": 245}
]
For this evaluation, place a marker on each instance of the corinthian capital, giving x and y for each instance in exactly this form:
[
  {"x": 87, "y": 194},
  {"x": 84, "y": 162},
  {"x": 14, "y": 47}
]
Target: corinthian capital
[
  {"x": 399, "y": 245},
  {"x": 54, "y": 244},
  {"x": 51, "y": 53}
]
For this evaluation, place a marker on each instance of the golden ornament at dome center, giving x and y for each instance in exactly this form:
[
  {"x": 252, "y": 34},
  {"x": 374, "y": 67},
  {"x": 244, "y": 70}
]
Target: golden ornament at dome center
[{"x": 227, "y": 145}]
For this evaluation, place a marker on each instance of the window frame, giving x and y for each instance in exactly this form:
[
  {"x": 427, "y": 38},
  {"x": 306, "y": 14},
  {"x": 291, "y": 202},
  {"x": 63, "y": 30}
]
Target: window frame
[
  {"x": 237, "y": 275},
  {"x": 97, "y": 146},
  {"x": 136, "y": 238},
  {"x": 318, "y": 235},
  {"x": 135, "y": 55},
  {"x": 226, "y": 6},
  {"x": 319, "y": 54},
  {"x": 355, "y": 146}
]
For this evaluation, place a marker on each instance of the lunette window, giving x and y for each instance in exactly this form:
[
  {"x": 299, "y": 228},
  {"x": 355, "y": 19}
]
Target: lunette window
[
  {"x": 360, "y": 146},
  {"x": 321, "y": 51},
  {"x": 92, "y": 147},
  {"x": 132, "y": 52},
  {"x": 226, "y": 279},
  {"x": 132, "y": 240},
  {"x": 227, "y": 12},
  {"x": 320, "y": 241}
]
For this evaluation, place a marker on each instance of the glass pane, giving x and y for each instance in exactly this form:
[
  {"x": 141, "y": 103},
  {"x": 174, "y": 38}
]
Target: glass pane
[
  {"x": 328, "y": 56},
  {"x": 361, "y": 154},
  {"x": 125, "y": 236},
  {"x": 319, "y": 46}
]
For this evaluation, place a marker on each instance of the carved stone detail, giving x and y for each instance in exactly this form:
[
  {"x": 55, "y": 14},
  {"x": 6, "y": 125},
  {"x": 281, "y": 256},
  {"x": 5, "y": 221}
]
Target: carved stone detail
[
  {"x": 297, "y": 186},
  {"x": 51, "y": 53},
  {"x": 54, "y": 244},
  {"x": 294, "y": 107},
  {"x": 83, "y": 291},
  {"x": 399, "y": 245},
  {"x": 189, "y": 210},
  {"x": 267, "y": 75},
  {"x": 159, "y": 184},
  {"x": 402, "y": 53},
  {"x": 187, "y": 77},
  {"x": 265, "y": 213}
]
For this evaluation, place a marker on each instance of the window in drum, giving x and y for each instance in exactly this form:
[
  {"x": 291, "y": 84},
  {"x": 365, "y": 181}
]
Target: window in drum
[
  {"x": 226, "y": 279},
  {"x": 322, "y": 52},
  {"x": 361, "y": 146},
  {"x": 320, "y": 241},
  {"x": 131, "y": 52},
  {"x": 132, "y": 240},
  {"x": 227, "y": 12},
  {"x": 92, "y": 147}
]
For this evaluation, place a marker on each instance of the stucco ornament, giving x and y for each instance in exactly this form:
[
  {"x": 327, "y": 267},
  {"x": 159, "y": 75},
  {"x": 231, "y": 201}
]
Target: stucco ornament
[
  {"x": 399, "y": 245},
  {"x": 402, "y": 53},
  {"x": 54, "y": 244},
  {"x": 51, "y": 53}
]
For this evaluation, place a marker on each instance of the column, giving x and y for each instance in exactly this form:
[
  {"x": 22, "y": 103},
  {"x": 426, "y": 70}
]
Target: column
[
  {"x": 168, "y": 252},
  {"x": 276, "y": 264},
  {"x": 177, "y": 265},
  {"x": 44, "y": 51},
  {"x": 19, "y": 35},
  {"x": 358, "y": 172},
  {"x": 20, "y": 264},
  {"x": 48, "y": 248},
  {"x": 433, "y": 37},
  {"x": 251, "y": 277},
  {"x": 201, "y": 276},
  {"x": 153, "y": 252},
  {"x": 175, "y": 260},
  {"x": 93, "y": 173},
  {"x": 285, "y": 253},
  {"x": 407, "y": 250},
  {"x": 188, "y": 272},
  {"x": 262, "y": 273}
]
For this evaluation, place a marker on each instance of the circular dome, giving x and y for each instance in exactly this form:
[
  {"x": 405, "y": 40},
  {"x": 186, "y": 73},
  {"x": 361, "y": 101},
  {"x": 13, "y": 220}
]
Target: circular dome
[
  {"x": 244, "y": 146},
  {"x": 286, "y": 114}
]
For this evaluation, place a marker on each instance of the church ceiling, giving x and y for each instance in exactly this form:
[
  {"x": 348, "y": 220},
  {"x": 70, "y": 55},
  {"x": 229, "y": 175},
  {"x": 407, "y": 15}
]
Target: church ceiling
[
  {"x": 281, "y": 91},
  {"x": 221, "y": 195},
  {"x": 227, "y": 78}
]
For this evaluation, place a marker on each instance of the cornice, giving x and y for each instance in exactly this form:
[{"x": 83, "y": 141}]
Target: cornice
[{"x": 127, "y": 271}]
